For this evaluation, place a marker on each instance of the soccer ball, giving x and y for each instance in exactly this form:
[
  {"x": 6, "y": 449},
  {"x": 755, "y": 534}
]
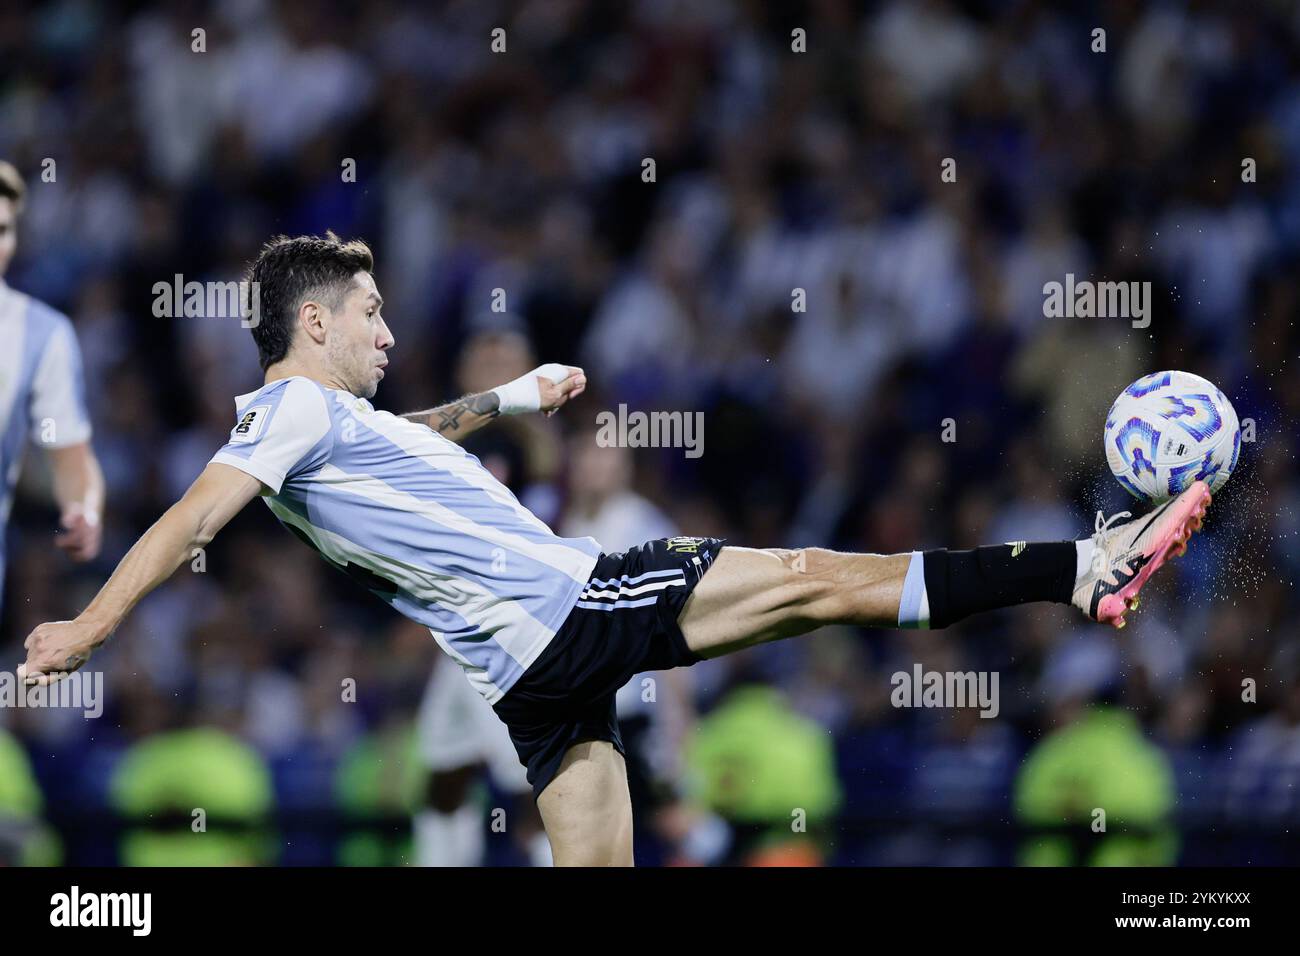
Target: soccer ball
[{"x": 1168, "y": 429}]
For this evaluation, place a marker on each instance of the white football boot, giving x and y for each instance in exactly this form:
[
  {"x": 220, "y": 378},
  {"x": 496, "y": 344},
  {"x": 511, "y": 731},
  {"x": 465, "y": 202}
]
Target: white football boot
[{"x": 1126, "y": 555}]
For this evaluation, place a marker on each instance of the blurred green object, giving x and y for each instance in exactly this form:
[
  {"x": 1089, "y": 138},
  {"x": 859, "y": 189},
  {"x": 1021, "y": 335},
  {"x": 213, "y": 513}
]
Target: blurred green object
[
  {"x": 19, "y": 794},
  {"x": 754, "y": 760},
  {"x": 380, "y": 775},
  {"x": 182, "y": 771},
  {"x": 22, "y": 833},
  {"x": 1101, "y": 761}
]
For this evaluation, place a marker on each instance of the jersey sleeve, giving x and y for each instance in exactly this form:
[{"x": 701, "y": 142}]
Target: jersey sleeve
[
  {"x": 283, "y": 432},
  {"x": 58, "y": 395}
]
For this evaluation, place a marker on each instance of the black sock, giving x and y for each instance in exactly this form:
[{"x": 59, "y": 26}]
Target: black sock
[{"x": 960, "y": 583}]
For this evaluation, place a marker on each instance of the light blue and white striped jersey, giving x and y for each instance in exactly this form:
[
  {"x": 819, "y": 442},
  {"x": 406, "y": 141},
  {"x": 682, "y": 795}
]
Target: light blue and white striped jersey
[
  {"x": 416, "y": 519},
  {"x": 42, "y": 394}
]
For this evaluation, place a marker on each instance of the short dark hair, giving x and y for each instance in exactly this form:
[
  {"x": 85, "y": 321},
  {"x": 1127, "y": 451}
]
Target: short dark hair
[
  {"x": 290, "y": 270},
  {"x": 12, "y": 186}
]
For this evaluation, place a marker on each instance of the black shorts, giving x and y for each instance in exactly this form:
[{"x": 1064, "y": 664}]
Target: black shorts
[{"x": 624, "y": 623}]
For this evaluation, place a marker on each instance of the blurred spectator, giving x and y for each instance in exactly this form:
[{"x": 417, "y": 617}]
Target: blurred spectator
[
  {"x": 215, "y": 788},
  {"x": 379, "y": 777},
  {"x": 1098, "y": 764},
  {"x": 760, "y": 766},
  {"x": 24, "y": 839}
]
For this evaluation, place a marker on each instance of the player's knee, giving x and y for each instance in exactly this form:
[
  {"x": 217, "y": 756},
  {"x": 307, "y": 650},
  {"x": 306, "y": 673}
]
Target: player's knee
[
  {"x": 596, "y": 853},
  {"x": 607, "y": 842}
]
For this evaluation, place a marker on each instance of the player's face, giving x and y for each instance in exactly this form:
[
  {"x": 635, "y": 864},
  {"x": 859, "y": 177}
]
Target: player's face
[
  {"x": 8, "y": 233},
  {"x": 358, "y": 338}
]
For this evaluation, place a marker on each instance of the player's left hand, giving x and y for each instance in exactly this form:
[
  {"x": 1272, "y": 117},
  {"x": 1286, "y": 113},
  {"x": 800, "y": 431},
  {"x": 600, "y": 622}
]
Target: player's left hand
[
  {"x": 55, "y": 649},
  {"x": 81, "y": 533},
  {"x": 555, "y": 394}
]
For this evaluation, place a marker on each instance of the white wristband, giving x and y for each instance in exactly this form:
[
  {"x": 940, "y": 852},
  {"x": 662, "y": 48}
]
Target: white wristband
[{"x": 524, "y": 394}]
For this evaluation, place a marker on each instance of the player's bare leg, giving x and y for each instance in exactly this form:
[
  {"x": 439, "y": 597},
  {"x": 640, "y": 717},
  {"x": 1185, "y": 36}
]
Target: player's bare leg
[
  {"x": 751, "y": 596},
  {"x": 587, "y": 809}
]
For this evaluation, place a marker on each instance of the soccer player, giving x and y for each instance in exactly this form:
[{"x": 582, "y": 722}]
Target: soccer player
[
  {"x": 42, "y": 398},
  {"x": 546, "y": 628}
]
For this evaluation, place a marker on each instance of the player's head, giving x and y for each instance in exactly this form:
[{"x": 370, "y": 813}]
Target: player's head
[
  {"x": 319, "y": 308},
  {"x": 12, "y": 193}
]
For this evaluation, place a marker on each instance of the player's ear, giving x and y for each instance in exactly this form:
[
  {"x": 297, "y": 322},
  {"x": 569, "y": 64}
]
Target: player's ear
[{"x": 311, "y": 318}]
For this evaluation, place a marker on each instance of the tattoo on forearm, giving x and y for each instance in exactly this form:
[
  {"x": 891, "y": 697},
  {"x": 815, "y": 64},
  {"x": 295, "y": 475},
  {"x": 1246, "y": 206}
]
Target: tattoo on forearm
[{"x": 448, "y": 417}]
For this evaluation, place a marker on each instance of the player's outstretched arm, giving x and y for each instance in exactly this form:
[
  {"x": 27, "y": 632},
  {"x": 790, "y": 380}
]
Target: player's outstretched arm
[
  {"x": 544, "y": 389},
  {"x": 215, "y": 497}
]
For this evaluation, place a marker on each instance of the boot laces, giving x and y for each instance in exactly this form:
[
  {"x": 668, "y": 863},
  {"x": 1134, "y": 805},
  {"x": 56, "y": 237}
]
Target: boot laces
[{"x": 1103, "y": 530}]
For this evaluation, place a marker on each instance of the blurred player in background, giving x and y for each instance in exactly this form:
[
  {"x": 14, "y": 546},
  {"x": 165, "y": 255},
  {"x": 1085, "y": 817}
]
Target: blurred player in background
[
  {"x": 42, "y": 401},
  {"x": 42, "y": 397},
  {"x": 461, "y": 737}
]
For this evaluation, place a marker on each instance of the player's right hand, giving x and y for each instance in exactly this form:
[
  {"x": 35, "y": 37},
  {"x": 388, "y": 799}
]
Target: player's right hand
[
  {"x": 554, "y": 392},
  {"x": 55, "y": 649},
  {"x": 81, "y": 533}
]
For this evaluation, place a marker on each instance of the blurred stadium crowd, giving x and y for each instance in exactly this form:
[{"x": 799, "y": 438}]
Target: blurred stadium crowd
[{"x": 774, "y": 171}]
